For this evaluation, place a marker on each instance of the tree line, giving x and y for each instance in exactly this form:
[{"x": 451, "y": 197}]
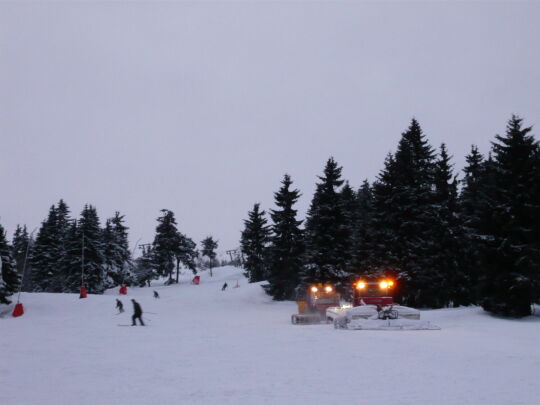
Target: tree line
[
  {"x": 67, "y": 253},
  {"x": 447, "y": 241}
]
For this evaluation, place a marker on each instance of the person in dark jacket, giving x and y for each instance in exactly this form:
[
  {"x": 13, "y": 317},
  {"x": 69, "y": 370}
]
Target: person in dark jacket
[
  {"x": 224, "y": 287},
  {"x": 137, "y": 313},
  {"x": 120, "y": 306},
  {"x": 156, "y": 295}
]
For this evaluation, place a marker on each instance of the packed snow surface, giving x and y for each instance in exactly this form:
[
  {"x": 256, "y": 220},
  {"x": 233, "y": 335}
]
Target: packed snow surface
[{"x": 207, "y": 346}]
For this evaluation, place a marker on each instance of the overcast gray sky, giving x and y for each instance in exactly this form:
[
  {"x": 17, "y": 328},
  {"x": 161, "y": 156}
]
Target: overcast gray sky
[{"x": 202, "y": 107}]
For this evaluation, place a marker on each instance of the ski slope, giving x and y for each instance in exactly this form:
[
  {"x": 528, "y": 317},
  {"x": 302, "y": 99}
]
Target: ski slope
[{"x": 207, "y": 346}]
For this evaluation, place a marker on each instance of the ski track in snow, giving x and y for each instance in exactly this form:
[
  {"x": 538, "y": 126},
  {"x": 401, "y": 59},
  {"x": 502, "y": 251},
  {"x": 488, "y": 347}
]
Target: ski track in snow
[{"x": 207, "y": 346}]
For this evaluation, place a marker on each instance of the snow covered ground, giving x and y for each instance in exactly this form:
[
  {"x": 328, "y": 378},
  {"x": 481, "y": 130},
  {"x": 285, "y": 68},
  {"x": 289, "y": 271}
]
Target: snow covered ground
[{"x": 207, "y": 346}]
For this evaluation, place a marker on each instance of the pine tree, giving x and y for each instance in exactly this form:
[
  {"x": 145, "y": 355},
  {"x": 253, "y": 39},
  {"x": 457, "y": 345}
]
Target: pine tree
[
  {"x": 46, "y": 254},
  {"x": 49, "y": 250},
  {"x": 362, "y": 234},
  {"x": 404, "y": 215},
  {"x": 71, "y": 263},
  {"x": 511, "y": 254},
  {"x": 21, "y": 249},
  {"x": 117, "y": 253},
  {"x": 166, "y": 244},
  {"x": 254, "y": 244},
  {"x": 471, "y": 209},
  {"x": 145, "y": 269},
  {"x": 19, "y": 243},
  {"x": 186, "y": 254},
  {"x": 90, "y": 235},
  {"x": 470, "y": 191},
  {"x": 62, "y": 219},
  {"x": 209, "y": 246},
  {"x": 109, "y": 253},
  {"x": 351, "y": 217},
  {"x": 9, "y": 278},
  {"x": 384, "y": 222},
  {"x": 287, "y": 246},
  {"x": 327, "y": 235},
  {"x": 447, "y": 255}
]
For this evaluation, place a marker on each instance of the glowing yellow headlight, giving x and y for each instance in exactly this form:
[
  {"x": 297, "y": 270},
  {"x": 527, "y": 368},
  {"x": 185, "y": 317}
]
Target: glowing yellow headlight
[
  {"x": 328, "y": 289},
  {"x": 361, "y": 285},
  {"x": 383, "y": 284},
  {"x": 390, "y": 283},
  {"x": 314, "y": 289}
]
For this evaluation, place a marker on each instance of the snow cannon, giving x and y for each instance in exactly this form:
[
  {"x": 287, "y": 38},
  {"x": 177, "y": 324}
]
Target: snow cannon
[
  {"x": 313, "y": 303},
  {"x": 83, "y": 293},
  {"x": 373, "y": 308},
  {"x": 123, "y": 290},
  {"x": 196, "y": 280}
]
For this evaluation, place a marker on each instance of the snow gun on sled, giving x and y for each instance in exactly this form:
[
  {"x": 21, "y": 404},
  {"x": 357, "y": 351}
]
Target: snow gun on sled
[
  {"x": 313, "y": 303},
  {"x": 373, "y": 308}
]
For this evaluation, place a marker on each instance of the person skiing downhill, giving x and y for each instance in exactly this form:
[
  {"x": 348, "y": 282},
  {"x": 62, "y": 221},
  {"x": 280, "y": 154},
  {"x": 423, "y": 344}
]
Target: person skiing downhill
[
  {"x": 156, "y": 295},
  {"x": 224, "y": 287},
  {"x": 120, "y": 306},
  {"x": 137, "y": 313}
]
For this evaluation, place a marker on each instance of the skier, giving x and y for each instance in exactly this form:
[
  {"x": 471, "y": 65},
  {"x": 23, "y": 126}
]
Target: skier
[
  {"x": 137, "y": 313},
  {"x": 120, "y": 306},
  {"x": 224, "y": 287},
  {"x": 156, "y": 295}
]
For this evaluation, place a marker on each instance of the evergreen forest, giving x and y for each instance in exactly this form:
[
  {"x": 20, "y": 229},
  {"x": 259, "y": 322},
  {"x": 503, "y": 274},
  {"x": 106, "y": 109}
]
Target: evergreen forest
[{"x": 447, "y": 238}]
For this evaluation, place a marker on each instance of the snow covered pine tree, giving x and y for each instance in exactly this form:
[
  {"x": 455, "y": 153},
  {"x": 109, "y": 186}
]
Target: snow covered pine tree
[
  {"x": 254, "y": 244},
  {"x": 9, "y": 279},
  {"x": 511, "y": 224},
  {"x": 287, "y": 245},
  {"x": 209, "y": 246},
  {"x": 327, "y": 234}
]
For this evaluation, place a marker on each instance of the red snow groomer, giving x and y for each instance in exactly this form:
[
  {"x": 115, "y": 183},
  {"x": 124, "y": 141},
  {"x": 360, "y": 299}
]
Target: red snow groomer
[
  {"x": 373, "y": 292},
  {"x": 313, "y": 303},
  {"x": 373, "y": 308}
]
